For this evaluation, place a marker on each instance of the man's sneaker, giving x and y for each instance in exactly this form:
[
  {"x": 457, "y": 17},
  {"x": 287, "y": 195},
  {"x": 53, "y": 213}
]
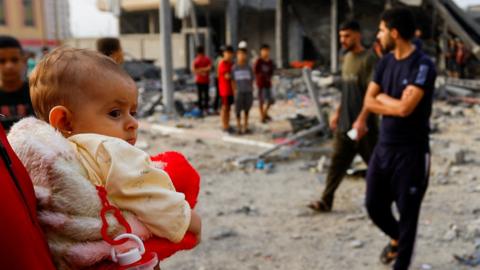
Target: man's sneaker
[{"x": 390, "y": 252}]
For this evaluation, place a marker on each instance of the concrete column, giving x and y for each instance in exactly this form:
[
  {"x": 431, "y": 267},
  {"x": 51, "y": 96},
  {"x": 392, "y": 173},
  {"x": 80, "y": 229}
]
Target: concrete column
[
  {"x": 165, "y": 14},
  {"x": 151, "y": 23},
  {"x": 334, "y": 37},
  {"x": 388, "y": 4},
  {"x": 442, "y": 64},
  {"x": 193, "y": 18},
  {"x": 232, "y": 23},
  {"x": 281, "y": 33},
  {"x": 295, "y": 40}
]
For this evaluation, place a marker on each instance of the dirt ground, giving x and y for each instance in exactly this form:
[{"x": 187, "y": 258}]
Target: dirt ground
[{"x": 253, "y": 219}]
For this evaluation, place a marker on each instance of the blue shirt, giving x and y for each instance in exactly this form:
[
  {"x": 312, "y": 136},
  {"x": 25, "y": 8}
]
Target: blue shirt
[{"x": 393, "y": 76}]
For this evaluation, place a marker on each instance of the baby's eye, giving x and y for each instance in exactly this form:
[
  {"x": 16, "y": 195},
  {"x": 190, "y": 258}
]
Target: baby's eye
[
  {"x": 115, "y": 113},
  {"x": 134, "y": 114}
]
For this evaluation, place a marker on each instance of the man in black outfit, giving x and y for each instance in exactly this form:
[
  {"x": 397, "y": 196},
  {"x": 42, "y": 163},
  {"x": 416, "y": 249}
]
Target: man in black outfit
[
  {"x": 402, "y": 92},
  {"x": 15, "y": 100}
]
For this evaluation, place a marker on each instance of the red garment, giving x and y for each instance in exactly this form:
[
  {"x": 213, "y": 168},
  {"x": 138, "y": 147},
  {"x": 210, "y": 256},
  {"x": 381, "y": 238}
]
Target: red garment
[
  {"x": 225, "y": 85},
  {"x": 263, "y": 73},
  {"x": 202, "y": 61},
  {"x": 22, "y": 243},
  {"x": 186, "y": 180},
  {"x": 460, "y": 56}
]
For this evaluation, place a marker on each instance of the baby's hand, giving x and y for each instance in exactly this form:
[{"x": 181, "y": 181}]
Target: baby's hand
[{"x": 196, "y": 226}]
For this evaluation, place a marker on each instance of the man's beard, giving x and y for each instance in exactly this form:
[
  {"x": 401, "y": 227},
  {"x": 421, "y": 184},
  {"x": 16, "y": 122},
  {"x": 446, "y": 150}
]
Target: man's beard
[
  {"x": 390, "y": 46},
  {"x": 349, "y": 48}
]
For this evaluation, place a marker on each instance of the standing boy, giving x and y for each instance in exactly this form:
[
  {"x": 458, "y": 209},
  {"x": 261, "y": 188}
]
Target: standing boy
[
  {"x": 225, "y": 85},
  {"x": 242, "y": 75},
  {"x": 112, "y": 48},
  {"x": 216, "y": 99},
  {"x": 15, "y": 100},
  {"x": 402, "y": 92},
  {"x": 201, "y": 67},
  {"x": 263, "y": 73}
]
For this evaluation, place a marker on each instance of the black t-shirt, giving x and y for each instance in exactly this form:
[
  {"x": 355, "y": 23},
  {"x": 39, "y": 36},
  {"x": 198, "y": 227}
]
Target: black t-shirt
[
  {"x": 394, "y": 76},
  {"x": 15, "y": 106}
]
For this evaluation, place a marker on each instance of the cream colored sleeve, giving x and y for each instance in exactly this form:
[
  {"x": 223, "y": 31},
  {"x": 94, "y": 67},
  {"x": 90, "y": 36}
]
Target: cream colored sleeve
[{"x": 134, "y": 183}]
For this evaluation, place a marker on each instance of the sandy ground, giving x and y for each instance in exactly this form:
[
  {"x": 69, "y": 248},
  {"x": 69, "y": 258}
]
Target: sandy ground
[{"x": 258, "y": 220}]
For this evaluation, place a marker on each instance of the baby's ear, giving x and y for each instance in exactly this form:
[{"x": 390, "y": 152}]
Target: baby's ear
[{"x": 61, "y": 119}]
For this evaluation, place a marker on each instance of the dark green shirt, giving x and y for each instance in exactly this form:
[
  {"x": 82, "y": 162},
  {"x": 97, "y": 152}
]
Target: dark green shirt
[{"x": 357, "y": 72}]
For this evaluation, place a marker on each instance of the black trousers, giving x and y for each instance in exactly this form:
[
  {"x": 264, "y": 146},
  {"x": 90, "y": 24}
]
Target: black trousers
[
  {"x": 216, "y": 100},
  {"x": 203, "y": 97},
  {"x": 344, "y": 151},
  {"x": 398, "y": 174}
]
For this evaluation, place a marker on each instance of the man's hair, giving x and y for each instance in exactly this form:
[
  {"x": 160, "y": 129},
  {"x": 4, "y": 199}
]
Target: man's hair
[
  {"x": 229, "y": 48},
  {"x": 200, "y": 49},
  {"x": 63, "y": 76},
  {"x": 242, "y": 50},
  {"x": 9, "y": 42},
  {"x": 401, "y": 19},
  {"x": 265, "y": 46},
  {"x": 108, "y": 45},
  {"x": 350, "y": 25}
]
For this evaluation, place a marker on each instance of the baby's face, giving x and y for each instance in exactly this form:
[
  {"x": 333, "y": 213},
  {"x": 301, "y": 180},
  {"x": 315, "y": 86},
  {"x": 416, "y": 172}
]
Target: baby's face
[{"x": 110, "y": 110}]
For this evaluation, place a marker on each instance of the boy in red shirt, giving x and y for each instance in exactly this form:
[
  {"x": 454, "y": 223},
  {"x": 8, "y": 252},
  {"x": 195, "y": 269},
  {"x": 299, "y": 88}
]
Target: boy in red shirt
[
  {"x": 201, "y": 67},
  {"x": 225, "y": 85},
  {"x": 263, "y": 74}
]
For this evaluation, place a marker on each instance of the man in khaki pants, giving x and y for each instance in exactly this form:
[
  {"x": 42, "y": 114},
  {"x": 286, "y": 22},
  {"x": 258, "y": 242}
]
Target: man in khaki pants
[{"x": 357, "y": 68}]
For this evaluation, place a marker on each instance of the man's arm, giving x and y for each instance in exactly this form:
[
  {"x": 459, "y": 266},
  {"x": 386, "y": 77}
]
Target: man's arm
[
  {"x": 361, "y": 123},
  {"x": 334, "y": 118},
  {"x": 406, "y": 105},
  {"x": 234, "y": 87},
  {"x": 371, "y": 104},
  {"x": 227, "y": 75},
  {"x": 202, "y": 70}
]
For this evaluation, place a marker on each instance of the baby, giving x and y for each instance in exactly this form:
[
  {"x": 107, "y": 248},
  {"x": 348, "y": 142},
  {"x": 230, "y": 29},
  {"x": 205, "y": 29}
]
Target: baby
[{"x": 91, "y": 101}]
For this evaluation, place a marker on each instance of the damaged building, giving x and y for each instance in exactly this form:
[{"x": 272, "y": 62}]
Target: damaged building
[{"x": 296, "y": 30}]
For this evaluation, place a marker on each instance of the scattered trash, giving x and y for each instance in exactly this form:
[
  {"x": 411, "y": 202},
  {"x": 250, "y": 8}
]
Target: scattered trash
[
  {"x": 356, "y": 244},
  {"x": 451, "y": 234},
  {"x": 260, "y": 165},
  {"x": 247, "y": 210},
  {"x": 460, "y": 157},
  {"x": 469, "y": 260},
  {"x": 194, "y": 113},
  {"x": 223, "y": 233},
  {"x": 426, "y": 266},
  {"x": 183, "y": 125}
]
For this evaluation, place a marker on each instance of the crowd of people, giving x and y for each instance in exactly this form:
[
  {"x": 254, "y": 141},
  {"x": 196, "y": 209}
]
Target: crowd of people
[
  {"x": 456, "y": 58},
  {"x": 78, "y": 152},
  {"x": 234, "y": 82}
]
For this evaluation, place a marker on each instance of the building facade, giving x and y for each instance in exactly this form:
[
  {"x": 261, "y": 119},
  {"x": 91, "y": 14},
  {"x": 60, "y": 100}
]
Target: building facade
[{"x": 36, "y": 23}]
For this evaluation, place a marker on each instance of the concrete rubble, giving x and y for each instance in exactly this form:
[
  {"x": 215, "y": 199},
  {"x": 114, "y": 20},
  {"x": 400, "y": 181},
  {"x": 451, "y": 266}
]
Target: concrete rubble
[{"x": 254, "y": 213}]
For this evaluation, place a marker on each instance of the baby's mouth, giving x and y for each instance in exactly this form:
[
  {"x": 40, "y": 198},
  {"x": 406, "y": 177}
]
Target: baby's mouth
[{"x": 132, "y": 141}]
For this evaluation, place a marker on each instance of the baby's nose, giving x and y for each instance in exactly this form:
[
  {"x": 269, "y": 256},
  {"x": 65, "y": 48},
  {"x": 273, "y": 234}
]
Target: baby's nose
[{"x": 132, "y": 123}]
